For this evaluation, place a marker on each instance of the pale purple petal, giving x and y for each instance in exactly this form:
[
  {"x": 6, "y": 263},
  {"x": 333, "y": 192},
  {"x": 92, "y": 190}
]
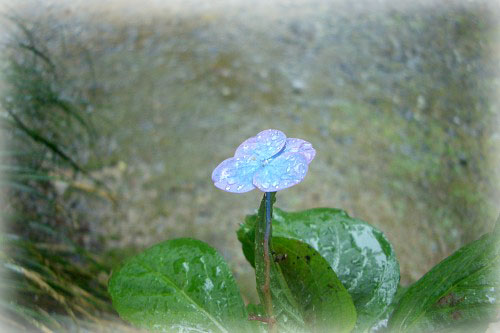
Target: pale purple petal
[
  {"x": 286, "y": 170},
  {"x": 264, "y": 145},
  {"x": 235, "y": 174},
  {"x": 300, "y": 146}
]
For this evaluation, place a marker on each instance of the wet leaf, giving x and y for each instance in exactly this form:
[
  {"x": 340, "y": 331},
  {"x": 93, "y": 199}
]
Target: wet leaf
[
  {"x": 284, "y": 307},
  {"x": 178, "y": 285},
  {"x": 254, "y": 311},
  {"x": 461, "y": 292},
  {"x": 325, "y": 303},
  {"x": 360, "y": 255},
  {"x": 383, "y": 321},
  {"x": 246, "y": 236}
]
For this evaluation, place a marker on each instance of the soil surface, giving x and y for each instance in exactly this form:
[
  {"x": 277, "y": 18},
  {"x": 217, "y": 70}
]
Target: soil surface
[{"x": 398, "y": 100}]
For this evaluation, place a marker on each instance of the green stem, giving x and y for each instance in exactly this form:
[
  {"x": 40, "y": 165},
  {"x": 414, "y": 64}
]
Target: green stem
[{"x": 266, "y": 288}]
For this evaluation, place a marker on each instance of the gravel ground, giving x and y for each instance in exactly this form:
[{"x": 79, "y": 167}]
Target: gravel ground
[{"x": 398, "y": 100}]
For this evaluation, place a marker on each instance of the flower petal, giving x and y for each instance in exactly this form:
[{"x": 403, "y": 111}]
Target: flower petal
[
  {"x": 300, "y": 146},
  {"x": 264, "y": 145},
  {"x": 284, "y": 171},
  {"x": 235, "y": 174}
]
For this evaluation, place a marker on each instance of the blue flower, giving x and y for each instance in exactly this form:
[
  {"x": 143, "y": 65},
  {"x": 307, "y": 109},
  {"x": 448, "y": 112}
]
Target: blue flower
[{"x": 268, "y": 161}]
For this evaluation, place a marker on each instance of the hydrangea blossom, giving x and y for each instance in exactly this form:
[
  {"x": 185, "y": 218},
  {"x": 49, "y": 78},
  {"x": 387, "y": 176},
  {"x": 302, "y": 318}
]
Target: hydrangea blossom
[{"x": 269, "y": 161}]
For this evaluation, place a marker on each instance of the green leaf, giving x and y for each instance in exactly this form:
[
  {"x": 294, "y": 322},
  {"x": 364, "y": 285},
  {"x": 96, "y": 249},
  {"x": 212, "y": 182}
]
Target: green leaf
[
  {"x": 381, "y": 324},
  {"x": 257, "y": 310},
  {"x": 284, "y": 307},
  {"x": 360, "y": 255},
  {"x": 246, "y": 236},
  {"x": 326, "y": 305},
  {"x": 461, "y": 292},
  {"x": 178, "y": 285}
]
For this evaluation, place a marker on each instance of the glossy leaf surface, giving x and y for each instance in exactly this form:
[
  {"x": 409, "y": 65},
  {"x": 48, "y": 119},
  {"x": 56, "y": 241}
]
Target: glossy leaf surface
[
  {"x": 325, "y": 303},
  {"x": 181, "y": 285},
  {"x": 460, "y": 293},
  {"x": 360, "y": 255}
]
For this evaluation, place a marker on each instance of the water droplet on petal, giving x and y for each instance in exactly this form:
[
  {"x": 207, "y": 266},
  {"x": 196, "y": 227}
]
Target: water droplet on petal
[
  {"x": 228, "y": 188},
  {"x": 288, "y": 169},
  {"x": 240, "y": 187},
  {"x": 265, "y": 185},
  {"x": 231, "y": 181}
]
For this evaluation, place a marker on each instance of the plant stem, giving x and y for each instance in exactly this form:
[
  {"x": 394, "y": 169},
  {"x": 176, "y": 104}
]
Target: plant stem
[{"x": 266, "y": 289}]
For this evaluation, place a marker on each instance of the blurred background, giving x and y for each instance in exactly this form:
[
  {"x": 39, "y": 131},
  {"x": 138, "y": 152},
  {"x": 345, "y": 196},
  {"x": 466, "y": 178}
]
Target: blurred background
[{"x": 114, "y": 116}]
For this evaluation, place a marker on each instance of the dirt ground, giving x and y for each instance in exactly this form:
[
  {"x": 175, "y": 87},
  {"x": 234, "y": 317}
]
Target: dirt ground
[{"x": 399, "y": 101}]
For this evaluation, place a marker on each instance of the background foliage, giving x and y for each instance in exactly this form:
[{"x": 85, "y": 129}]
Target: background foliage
[{"x": 50, "y": 279}]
